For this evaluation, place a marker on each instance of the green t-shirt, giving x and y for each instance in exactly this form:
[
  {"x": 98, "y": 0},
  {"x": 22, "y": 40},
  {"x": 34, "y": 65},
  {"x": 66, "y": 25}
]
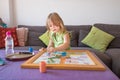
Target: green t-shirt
[{"x": 58, "y": 38}]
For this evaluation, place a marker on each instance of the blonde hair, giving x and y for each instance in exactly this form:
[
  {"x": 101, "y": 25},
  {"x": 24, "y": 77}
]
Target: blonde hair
[{"x": 56, "y": 19}]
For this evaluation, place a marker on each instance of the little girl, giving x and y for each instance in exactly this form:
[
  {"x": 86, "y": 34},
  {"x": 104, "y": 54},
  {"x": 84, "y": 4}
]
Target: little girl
[{"x": 59, "y": 36}]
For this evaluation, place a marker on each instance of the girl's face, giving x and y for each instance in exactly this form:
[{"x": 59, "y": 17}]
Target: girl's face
[{"x": 53, "y": 27}]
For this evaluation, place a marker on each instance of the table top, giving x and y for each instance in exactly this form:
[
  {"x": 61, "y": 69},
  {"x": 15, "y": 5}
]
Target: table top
[{"x": 12, "y": 71}]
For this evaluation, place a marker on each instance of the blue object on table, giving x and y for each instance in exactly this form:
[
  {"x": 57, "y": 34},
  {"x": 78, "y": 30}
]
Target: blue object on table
[
  {"x": 63, "y": 53},
  {"x": 30, "y": 49},
  {"x": 2, "y": 62}
]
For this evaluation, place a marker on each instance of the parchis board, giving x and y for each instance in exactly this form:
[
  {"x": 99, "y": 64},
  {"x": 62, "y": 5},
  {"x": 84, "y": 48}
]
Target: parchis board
[{"x": 69, "y": 59}]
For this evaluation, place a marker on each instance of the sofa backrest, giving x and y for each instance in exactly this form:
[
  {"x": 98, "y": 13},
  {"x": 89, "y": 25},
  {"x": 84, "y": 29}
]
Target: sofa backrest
[
  {"x": 76, "y": 41},
  {"x": 78, "y": 33},
  {"x": 35, "y": 31}
]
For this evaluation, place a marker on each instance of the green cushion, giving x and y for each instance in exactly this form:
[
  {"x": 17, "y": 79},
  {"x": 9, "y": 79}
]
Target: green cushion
[
  {"x": 98, "y": 39},
  {"x": 44, "y": 38}
]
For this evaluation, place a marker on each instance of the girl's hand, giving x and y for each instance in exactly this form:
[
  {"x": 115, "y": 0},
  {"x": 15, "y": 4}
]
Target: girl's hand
[
  {"x": 51, "y": 49},
  {"x": 41, "y": 49}
]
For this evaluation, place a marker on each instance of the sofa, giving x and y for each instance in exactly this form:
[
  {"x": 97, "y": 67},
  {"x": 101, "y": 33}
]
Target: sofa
[{"x": 111, "y": 56}]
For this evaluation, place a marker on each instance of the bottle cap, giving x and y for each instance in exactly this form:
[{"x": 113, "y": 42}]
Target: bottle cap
[{"x": 8, "y": 33}]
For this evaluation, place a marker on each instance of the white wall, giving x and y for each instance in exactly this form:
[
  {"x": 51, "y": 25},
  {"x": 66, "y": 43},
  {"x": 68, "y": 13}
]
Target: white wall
[
  {"x": 73, "y": 12},
  {"x": 4, "y": 11}
]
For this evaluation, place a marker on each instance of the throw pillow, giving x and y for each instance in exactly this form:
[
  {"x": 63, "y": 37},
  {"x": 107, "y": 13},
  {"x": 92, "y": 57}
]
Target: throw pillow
[
  {"x": 44, "y": 38},
  {"x": 3, "y": 35},
  {"x": 98, "y": 39},
  {"x": 22, "y": 34}
]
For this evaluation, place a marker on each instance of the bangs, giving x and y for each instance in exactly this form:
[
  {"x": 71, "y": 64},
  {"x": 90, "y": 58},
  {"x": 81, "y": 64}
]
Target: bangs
[{"x": 55, "y": 21}]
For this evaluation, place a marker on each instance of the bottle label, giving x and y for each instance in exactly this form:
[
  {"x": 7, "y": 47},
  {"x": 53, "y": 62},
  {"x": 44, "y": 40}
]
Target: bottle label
[{"x": 9, "y": 44}]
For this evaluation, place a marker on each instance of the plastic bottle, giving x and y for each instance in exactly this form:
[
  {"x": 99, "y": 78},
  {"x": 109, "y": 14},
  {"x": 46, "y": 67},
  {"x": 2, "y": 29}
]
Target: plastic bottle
[{"x": 9, "y": 44}]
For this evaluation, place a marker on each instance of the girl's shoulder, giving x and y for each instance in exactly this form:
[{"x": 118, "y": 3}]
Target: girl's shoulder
[
  {"x": 60, "y": 33},
  {"x": 69, "y": 33},
  {"x": 64, "y": 33}
]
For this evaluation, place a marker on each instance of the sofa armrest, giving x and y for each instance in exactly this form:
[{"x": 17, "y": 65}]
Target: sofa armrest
[{"x": 115, "y": 55}]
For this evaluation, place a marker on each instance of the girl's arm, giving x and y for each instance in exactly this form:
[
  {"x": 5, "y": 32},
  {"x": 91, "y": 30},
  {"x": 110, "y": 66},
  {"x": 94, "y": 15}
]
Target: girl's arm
[
  {"x": 61, "y": 47},
  {"x": 51, "y": 44},
  {"x": 65, "y": 44}
]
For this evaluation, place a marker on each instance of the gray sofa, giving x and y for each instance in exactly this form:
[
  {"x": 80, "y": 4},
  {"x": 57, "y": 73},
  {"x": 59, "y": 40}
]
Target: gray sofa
[{"x": 111, "y": 57}]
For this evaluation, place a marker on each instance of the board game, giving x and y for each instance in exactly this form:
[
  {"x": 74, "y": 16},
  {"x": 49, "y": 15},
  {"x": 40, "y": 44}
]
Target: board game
[{"x": 69, "y": 59}]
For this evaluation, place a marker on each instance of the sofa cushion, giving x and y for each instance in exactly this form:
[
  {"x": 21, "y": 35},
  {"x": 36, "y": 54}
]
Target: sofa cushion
[
  {"x": 44, "y": 38},
  {"x": 113, "y": 29},
  {"x": 114, "y": 53},
  {"x": 33, "y": 39},
  {"x": 98, "y": 39},
  {"x": 73, "y": 41},
  {"x": 75, "y": 32},
  {"x": 22, "y": 34},
  {"x": 3, "y": 35},
  {"x": 33, "y": 34},
  {"x": 82, "y": 35}
]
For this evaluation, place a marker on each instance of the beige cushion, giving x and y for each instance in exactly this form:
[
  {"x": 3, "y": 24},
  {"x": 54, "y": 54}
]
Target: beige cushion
[{"x": 22, "y": 34}]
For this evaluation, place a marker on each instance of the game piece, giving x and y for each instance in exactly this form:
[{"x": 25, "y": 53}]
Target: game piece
[
  {"x": 42, "y": 67},
  {"x": 30, "y": 49},
  {"x": 63, "y": 53}
]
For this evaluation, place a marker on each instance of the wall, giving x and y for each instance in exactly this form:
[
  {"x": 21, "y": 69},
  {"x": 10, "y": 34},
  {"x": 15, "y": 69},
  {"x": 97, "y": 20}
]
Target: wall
[
  {"x": 73, "y": 12},
  {"x": 4, "y": 11}
]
